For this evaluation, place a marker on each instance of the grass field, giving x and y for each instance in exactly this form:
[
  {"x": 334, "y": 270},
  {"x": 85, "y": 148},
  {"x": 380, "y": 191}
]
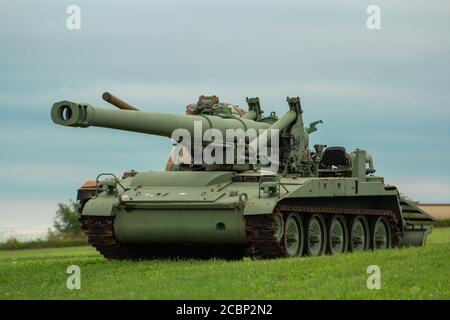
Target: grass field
[{"x": 414, "y": 273}]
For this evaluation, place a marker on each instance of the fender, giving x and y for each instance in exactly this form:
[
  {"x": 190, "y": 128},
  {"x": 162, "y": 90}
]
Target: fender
[{"x": 103, "y": 205}]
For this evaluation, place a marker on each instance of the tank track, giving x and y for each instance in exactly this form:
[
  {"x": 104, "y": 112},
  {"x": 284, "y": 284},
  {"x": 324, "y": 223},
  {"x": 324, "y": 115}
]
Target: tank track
[
  {"x": 260, "y": 229},
  {"x": 261, "y": 238},
  {"x": 100, "y": 233}
]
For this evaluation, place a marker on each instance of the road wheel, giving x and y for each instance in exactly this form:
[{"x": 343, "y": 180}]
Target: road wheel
[
  {"x": 381, "y": 234},
  {"x": 359, "y": 234},
  {"x": 316, "y": 237},
  {"x": 293, "y": 235},
  {"x": 337, "y": 235}
]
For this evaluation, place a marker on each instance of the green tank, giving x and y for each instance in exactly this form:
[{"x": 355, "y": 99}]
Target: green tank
[{"x": 317, "y": 201}]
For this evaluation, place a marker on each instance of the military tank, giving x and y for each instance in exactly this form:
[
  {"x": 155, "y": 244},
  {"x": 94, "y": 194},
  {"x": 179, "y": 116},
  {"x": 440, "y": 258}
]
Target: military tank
[{"x": 317, "y": 201}]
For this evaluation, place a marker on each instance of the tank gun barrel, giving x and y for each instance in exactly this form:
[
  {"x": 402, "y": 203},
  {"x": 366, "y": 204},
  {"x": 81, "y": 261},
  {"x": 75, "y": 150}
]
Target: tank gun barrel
[{"x": 74, "y": 114}]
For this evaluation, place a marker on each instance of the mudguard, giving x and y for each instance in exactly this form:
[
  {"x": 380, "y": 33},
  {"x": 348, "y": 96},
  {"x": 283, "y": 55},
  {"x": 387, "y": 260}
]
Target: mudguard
[{"x": 102, "y": 205}]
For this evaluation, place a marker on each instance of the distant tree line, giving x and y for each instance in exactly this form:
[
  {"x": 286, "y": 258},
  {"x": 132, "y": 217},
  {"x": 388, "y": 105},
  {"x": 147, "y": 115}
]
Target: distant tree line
[{"x": 66, "y": 223}]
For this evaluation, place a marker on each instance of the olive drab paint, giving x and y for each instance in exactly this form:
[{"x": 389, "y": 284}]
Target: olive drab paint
[{"x": 316, "y": 201}]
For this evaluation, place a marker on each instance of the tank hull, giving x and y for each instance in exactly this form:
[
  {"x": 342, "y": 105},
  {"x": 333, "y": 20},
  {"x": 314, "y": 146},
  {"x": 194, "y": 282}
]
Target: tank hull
[{"x": 218, "y": 209}]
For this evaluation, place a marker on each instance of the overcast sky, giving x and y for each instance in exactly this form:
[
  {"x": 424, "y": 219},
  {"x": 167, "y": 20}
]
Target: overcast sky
[{"x": 387, "y": 91}]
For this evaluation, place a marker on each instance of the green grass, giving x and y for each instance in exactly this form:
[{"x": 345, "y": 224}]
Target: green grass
[{"x": 413, "y": 273}]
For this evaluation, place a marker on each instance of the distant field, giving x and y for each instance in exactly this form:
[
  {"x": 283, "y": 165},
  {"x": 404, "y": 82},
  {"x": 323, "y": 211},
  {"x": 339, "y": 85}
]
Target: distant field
[
  {"x": 416, "y": 273},
  {"x": 41, "y": 244}
]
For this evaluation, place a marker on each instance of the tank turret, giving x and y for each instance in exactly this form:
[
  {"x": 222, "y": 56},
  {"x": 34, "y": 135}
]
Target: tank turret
[{"x": 292, "y": 138}]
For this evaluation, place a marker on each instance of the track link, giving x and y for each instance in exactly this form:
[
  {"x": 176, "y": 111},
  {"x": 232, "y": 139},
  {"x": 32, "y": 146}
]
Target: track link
[
  {"x": 100, "y": 233},
  {"x": 263, "y": 244}
]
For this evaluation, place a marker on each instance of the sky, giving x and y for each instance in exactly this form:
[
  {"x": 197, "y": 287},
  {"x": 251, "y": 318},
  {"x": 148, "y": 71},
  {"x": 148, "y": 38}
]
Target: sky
[{"x": 386, "y": 91}]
